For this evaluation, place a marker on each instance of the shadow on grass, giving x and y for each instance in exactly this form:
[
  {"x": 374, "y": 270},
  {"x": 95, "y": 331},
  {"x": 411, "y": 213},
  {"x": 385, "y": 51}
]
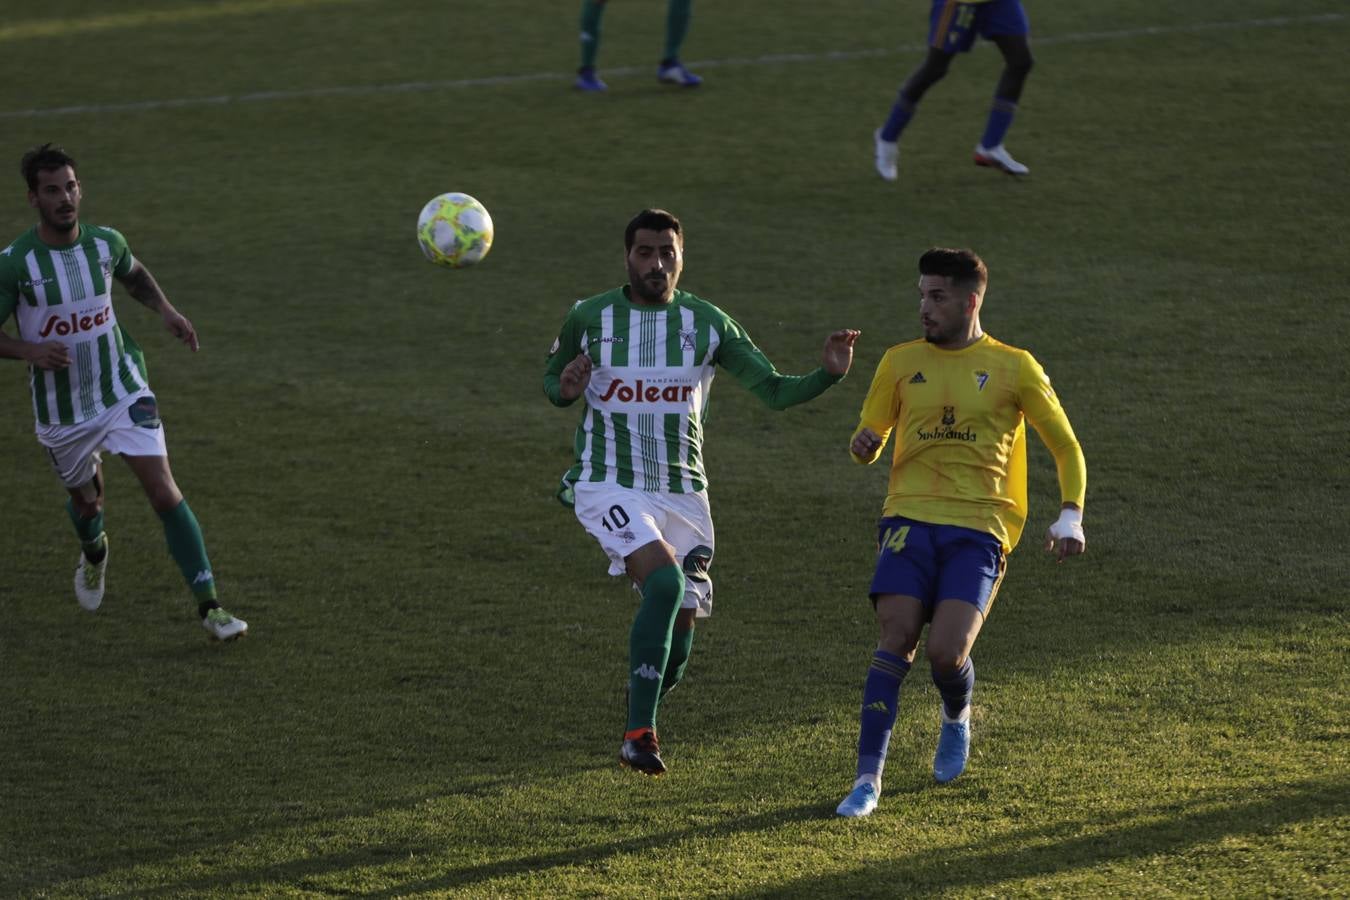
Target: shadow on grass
[
  {"x": 1037, "y": 852},
  {"x": 311, "y": 873},
  {"x": 979, "y": 865}
]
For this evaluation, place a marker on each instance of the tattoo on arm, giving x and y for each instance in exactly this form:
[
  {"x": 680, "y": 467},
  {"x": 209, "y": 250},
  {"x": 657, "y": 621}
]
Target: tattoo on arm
[{"x": 141, "y": 285}]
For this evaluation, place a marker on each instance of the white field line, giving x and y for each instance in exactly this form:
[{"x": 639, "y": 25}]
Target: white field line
[{"x": 772, "y": 59}]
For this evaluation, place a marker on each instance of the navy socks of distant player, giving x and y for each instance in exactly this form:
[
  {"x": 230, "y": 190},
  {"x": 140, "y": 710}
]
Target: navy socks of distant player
[
  {"x": 92, "y": 539},
  {"x": 649, "y": 646},
  {"x": 900, "y": 115},
  {"x": 956, "y": 689},
  {"x": 677, "y": 26},
  {"x": 591, "y": 12},
  {"x": 881, "y": 699},
  {"x": 187, "y": 548},
  {"x": 1000, "y": 119}
]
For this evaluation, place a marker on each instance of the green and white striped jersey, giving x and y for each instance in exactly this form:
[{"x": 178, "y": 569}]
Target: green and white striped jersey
[
  {"x": 65, "y": 294},
  {"x": 652, "y": 368}
]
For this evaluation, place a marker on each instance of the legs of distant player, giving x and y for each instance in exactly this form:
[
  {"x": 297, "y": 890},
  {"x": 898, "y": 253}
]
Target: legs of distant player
[
  {"x": 670, "y": 70},
  {"x": 1017, "y": 63},
  {"x": 592, "y": 11},
  {"x": 886, "y": 138},
  {"x": 930, "y": 72},
  {"x": 677, "y": 26}
]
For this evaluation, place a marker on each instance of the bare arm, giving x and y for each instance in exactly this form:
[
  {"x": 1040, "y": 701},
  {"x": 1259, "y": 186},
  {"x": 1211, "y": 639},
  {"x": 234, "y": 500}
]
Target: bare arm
[
  {"x": 48, "y": 355},
  {"x": 141, "y": 285}
]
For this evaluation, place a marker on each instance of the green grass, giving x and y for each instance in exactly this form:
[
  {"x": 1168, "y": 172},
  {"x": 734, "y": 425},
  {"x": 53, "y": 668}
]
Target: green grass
[{"x": 429, "y": 698}]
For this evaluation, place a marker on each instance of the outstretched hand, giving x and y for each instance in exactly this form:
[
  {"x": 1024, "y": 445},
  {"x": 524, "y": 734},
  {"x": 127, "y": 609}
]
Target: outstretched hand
[
  {"x": 575, "y": 376},
  {"x": 180, "y": 327},
  {"x": 838, "y": 355}
]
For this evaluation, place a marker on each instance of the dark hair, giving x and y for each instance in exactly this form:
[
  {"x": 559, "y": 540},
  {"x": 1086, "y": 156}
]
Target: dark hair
[
  {"x": 653, "y": 219},
  {"x": 962, "y": 266},
  {"x": 46, "y": 158}
]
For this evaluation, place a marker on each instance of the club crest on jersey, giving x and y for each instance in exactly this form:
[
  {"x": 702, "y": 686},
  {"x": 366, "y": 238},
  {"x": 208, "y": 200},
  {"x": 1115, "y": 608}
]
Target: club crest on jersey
[
  {"x": 949, "y": 415},
  {"x": 687, "y": 338},
  {"x": 981, "y": 379},
  {"x": 106, "y": 266}
]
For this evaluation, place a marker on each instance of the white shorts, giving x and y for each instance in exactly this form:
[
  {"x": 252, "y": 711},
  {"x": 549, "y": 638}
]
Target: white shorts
[
  {"x": 623, "y": 519},
  {"x": 132, "y": 427}
]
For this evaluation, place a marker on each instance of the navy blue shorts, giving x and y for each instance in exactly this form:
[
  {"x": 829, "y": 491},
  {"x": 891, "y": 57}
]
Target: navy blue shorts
[
  {"x": 937, "y": 562},
  {"x": 952, "y": 26}
]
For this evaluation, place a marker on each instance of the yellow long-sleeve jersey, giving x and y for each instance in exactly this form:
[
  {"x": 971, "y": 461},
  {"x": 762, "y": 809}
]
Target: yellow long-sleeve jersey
[{"x": 959, "y": 418}]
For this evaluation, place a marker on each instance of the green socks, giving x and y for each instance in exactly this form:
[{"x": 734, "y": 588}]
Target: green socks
[
  {"x": 677, "y": 26},
  {"x": 591, "y": 11},
  {"x": 681, "y": 643},
  {"x": 188, "y": 549},
  {"x": 649, "y": 645},
  {"x": 92, "y": 539}
]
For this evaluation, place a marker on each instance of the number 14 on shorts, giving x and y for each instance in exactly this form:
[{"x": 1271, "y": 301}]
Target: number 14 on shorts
[{"x": 893, "y": 539}]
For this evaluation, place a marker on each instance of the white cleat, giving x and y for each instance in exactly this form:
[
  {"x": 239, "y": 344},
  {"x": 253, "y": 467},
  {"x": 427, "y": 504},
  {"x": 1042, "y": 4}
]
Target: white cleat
[
  {"x": 222, "y": 626},
  {"x": 89, "y": 580},
  {"x": 861, "y": 801},
  {"x": 998, "y": 158},
  {"x": 888, "y": 157}
]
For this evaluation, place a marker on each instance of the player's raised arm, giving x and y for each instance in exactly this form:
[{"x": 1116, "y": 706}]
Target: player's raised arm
[{"x": 739, "y": 356}]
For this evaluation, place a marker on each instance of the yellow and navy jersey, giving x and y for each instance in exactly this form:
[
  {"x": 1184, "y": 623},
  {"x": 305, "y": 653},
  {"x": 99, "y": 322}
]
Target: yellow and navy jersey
[{"x": 959, "y": 418}]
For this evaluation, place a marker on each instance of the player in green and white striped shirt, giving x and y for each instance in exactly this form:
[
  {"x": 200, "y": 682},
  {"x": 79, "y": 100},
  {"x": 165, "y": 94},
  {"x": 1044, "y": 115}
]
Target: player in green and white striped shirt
[
  {"x": 643, "y": 357},
  {"x": 89, "y": 384}
]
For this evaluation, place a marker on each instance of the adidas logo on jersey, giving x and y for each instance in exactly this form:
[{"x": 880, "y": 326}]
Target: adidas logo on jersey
[
  {"x": 647, "y": 671},
  {"x": 918, "y": 379}
]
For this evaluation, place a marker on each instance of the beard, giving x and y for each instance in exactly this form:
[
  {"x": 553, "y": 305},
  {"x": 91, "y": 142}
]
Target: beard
[
  {"x": 61, "y": 220},
  {"x": 650, "y": 291},
  {"x": 947, "y": 335}
]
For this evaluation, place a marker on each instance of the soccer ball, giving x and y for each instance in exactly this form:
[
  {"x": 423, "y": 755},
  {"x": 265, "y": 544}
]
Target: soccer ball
[{"x": 454, "y": 230}]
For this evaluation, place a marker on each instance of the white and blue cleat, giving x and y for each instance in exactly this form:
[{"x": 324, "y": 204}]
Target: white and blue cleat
[
  {"x": 676, "y": 73},
  {"x": 589, "y": 82},
  {"x": 953, "y": 750},
  {"x": 859, "y": 802}
]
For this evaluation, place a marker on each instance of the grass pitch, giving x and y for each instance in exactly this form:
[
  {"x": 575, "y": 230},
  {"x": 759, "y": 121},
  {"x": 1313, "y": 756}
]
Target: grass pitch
[{"x": 428, "y": 702}]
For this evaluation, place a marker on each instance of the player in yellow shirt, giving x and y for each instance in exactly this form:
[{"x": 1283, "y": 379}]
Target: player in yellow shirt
[{"x": 957, "y": 401}]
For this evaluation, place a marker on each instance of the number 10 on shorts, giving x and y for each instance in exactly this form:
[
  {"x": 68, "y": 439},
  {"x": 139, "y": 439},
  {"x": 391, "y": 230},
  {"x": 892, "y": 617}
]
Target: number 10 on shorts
[{"x": 616, "y": 516}]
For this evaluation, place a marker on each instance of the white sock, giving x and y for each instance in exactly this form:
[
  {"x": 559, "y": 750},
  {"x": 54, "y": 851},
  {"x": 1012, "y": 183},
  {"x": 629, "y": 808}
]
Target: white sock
[
  {"x": 873, "y": 780},
  {"x": 963, "y": 716}
]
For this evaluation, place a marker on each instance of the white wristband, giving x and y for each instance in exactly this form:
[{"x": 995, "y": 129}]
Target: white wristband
[{"x": 1068, "y": 525}]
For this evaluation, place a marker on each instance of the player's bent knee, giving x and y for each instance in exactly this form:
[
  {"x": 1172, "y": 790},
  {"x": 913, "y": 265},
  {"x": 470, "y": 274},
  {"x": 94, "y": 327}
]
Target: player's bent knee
[
  {"x": 164, "y": 500},
  {"x": 945, "y": 659}
]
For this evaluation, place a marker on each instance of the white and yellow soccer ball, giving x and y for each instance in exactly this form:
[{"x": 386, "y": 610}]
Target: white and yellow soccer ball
[{"x": 454, "y": 230}]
